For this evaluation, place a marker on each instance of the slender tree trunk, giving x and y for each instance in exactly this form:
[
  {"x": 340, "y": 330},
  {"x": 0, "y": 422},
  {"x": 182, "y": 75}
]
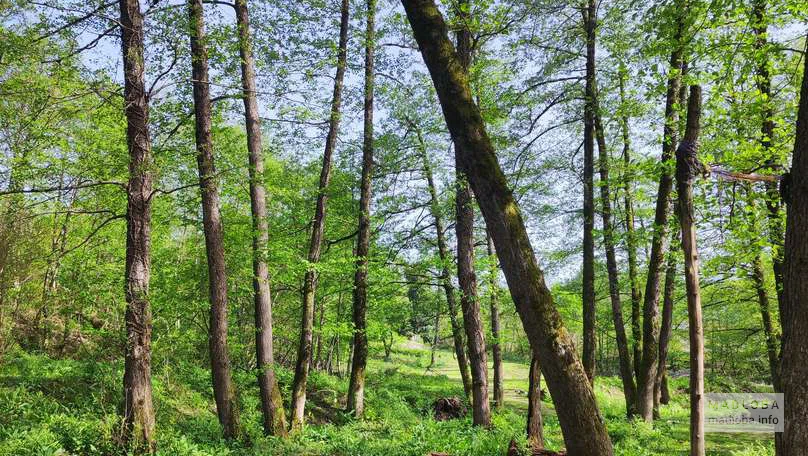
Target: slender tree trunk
[
  {"x": 138, "y": 413},
  {"x": 588, "y": 279},
  {"x": 356, "y": 388},
  {"x": 631, "y": 236},
  {"x": 436, "y": 337},
  {"x": 624, "y": 357},
  {"x": 496, "y": 350},
  {"x": 446, "y": 278},
  {"x": 577, "y": 410},
  {"x": 794, "y": 369},
  {"x": 661, "y": 395},
  {"x": 758, "y": 277},
  {"x": 466, "y": 277},
  {"x": 224, "y": 389},
  {"x": 274, "y": 418},
  {"x": 659, "y": 242},
  {"x": 535, "y": 431},
  {"x": 304, "y": 351},
  {"x": 687, "y": 168}
]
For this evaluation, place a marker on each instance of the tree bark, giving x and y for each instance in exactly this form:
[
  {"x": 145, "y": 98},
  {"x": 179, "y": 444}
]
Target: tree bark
[
  {"x": 446, "y": 278},
  {"x": 661, "y": 395},
  {"x": 687, "y": 168},
  {"x": 577, "y": 410},
  {"x": 224, "y": 389},
  {"x": 304, "y": 351},
  {"x": 466, "y": 277},
  {"x": 273, "y": 416},
  {"x": 138, "y": 414},
  {"x": 659, "y": 242},
  {"x": 624, "y": 357},
  {"x": 356, "y": 388},
  {"x": 496, "y": 350},
  {"x": 535, "y": 431},
  {"x": 631, "y": 236},
  {"x": 588, "y": 279},
  {"x": 794, "y": 369}
]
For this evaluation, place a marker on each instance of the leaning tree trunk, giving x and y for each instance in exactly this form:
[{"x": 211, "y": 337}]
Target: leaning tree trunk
[
  {"x": 496, "y": 350},
  {"x": 356, "y": 388},
  {"x": 274, "y": 418},
  {"x": 659, "y": 243},
  {"x": 138, "y": 413},
  {"x": 535, "y": 431},
  {"x": 464, "y": 230},
  {"x": 588, "y": 279},
  {"x": 794, "y": 369},
  {"x": 624, "y": 358},
  {"x": 224, "y": 390},
  {"x": 631, "y": 236},
  {"x": 446, "y": 278},
  {"x": 687, "y": 168},
  {"x": 304, "y": 350},
  {"x": 577, "y": 410}
]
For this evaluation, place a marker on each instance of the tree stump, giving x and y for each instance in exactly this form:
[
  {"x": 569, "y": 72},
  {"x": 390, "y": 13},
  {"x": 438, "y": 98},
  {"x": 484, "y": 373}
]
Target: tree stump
[{"x": 449, "y": 408}]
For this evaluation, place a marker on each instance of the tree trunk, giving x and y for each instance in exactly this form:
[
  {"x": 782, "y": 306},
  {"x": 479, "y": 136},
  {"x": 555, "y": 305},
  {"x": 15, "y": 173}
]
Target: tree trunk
[
  {"x": 274, "y": 418},
  {"x": 659, "y": 243},
  {"x": 661, "y": 394},
  {"x": 631, "y": 236},
  {"x": 356, "y": 388},
  {"x": 496, "y": 350},
  {"x": 446, "y": 278},
  {"x": 794, "y": 369},
  {"x": 577, "y": 410},
  {"x": 535, "y": 432},
  {"x": 138, "y": 413},
  {"x": 624, "y": 357},
  {"x": 224, "y": 389},
  {"x": 304, "y": 351},
  {"x": 687, "y": 168},
  {"x": 466, "y": 277},
  {"x": 588, "y": 279}
]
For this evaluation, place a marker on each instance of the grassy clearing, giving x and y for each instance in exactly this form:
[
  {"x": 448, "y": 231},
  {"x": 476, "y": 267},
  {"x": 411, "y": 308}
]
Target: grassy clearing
[{"x": 60, "y": 407}]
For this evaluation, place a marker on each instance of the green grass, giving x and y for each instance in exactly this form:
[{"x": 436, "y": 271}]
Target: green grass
[{"x": 62, "y": 407}]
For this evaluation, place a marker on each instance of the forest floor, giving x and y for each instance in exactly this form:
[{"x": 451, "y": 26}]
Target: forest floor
[{"x": 63, "y": 407}]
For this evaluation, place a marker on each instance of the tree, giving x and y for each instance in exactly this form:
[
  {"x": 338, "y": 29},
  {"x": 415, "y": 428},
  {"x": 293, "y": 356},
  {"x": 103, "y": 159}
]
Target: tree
[
  {"x": 138, "y": 411},
  {"x": 588, "y": 280},
  {"x": 496, "y": 351},
  {"x": 464, "y": 229},
  {"x": 795, "y": 288},
  {"x": 575, "y": 402},
  {"x": 535, "y": 431},
  {"x": 274, "y": 418},
  {"x": 688, "y": 167},
  {"x": 224, "y": 390},
  {"x": 304, "y": 351},
  {"x": 659, "y": 244},
  {"x": 356, "y": 388}
]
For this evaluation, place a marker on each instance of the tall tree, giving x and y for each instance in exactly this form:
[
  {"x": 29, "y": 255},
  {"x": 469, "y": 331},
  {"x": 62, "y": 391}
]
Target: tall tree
[
  {"x": 624, "y": 357},
  {"x": 794, "y": 369},
  {"x": 661, "y": 394},
  {"x": 578, "y": 413},
  {"x": 659, "y": 241},
  {"x": 356, "y": 389},
  {"x": 446, "y": 260},
  {"x": 274, "y": 418},
  {"x": 466, "y": 277},
  {"x": 588, "y": 280},
  {"x": 496, "y": 350},
  {"x": 688, "y": 167},
  {"x": 304, "y": 350},
  {"x": 224, "y": 390},
  {"x": 631, "y": 236},
  {"x": 138, "y": 411}
]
